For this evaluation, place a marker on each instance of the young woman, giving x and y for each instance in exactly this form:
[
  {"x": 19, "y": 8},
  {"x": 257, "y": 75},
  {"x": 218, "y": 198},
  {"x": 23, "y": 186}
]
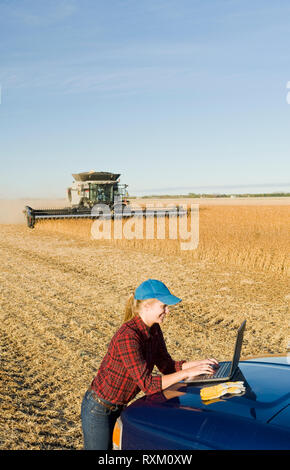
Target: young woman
[{"x": 127, "y": 367}]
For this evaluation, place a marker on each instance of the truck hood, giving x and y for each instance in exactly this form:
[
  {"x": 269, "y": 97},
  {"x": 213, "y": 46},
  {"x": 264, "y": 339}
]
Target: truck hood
[
  {"x": 267, "y": 394},
  {"x": 178, "y": 419}
]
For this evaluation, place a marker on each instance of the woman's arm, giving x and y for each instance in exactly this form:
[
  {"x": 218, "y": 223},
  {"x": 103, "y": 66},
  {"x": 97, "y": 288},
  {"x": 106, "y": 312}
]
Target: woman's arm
[
  {"x": 130, "y": 351},
  {"x": 199, "y": 368}
]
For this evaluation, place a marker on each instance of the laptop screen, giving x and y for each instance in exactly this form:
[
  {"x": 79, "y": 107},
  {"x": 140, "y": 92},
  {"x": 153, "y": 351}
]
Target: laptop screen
[{"x": 238, "y": 346}]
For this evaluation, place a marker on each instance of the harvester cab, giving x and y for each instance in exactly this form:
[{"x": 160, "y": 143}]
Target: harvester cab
[
  {"x": 89, "y": 191},
  {"x": 94, "y": 188}
]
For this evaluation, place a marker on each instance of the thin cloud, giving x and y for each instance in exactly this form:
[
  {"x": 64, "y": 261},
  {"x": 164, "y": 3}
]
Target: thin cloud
[{"x": 70, "y": 79}]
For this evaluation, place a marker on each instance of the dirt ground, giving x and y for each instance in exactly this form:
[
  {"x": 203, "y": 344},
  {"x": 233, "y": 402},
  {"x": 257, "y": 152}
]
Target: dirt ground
[{"x": 62, "y": 299}]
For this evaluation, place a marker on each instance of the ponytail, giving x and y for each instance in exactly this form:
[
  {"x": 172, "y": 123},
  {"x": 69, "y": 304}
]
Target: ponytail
[
  {"x": 129, "y": 308},
  {"x": 133, "y": 307}
]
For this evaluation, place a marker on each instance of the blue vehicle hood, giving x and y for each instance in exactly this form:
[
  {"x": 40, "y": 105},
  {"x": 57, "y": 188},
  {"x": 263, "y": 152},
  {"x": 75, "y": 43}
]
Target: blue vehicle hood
[
  {"x": 267, "y": 393},
  {"x": 264, "y": 405}
]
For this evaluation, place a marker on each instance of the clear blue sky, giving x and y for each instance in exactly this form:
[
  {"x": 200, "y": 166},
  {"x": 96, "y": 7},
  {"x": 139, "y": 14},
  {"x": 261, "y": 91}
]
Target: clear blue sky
[{"x": 176, "y": 95}]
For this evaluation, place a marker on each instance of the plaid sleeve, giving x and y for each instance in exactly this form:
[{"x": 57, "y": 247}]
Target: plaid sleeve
[
  {"x": 163, "y": 360},
  {"x": 130, "y": 351}
]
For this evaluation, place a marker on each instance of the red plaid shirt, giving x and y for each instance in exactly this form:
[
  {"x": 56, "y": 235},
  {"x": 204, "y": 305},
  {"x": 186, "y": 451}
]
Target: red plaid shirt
[{"x": 127, "y": 367}]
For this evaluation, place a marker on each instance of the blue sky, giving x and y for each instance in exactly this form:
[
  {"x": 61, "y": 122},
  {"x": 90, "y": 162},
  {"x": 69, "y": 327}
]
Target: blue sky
[{"x": 177, "y": 95}]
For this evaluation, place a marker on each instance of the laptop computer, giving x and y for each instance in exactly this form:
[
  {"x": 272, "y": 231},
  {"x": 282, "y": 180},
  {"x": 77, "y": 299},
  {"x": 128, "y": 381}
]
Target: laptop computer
[{"x": 226, "y": 369}]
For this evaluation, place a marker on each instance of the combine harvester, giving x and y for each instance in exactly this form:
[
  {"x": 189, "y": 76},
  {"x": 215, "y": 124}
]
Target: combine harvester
[{"x": 90, "y": 193}]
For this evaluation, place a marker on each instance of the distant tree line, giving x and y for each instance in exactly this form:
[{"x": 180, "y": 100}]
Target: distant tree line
[{"x": 199, "y": 195}]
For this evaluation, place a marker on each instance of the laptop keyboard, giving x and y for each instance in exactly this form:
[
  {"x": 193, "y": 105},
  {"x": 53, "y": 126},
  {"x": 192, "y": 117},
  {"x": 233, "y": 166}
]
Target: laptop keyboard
[{"x": 223, "y": 371}]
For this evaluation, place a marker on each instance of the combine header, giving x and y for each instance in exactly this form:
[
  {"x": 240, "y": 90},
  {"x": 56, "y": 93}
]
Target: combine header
[{"x": 91, "y": 191}]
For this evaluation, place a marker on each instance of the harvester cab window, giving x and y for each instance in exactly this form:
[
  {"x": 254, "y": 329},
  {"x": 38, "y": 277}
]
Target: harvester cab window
[{"x": 101, "y": 194}]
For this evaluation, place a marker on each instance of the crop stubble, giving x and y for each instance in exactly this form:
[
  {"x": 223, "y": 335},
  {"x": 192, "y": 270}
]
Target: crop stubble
[{"x": 62, "y": 298}]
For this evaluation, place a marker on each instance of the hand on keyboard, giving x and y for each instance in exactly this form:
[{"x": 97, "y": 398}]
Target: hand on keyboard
[
  {"x": 199, "y": 369},
  {"x": 213, "y": 363}
]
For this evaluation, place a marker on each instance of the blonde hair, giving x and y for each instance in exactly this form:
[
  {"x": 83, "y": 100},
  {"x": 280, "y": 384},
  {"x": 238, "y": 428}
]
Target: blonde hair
[{"x": 133, "y": 307}]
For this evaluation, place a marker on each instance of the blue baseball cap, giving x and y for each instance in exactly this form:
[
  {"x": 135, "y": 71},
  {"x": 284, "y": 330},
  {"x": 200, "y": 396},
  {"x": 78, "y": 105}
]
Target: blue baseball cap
[{"x": 153, "y": 289}]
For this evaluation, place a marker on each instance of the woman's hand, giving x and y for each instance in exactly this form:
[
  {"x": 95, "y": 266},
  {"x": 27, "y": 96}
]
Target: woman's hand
[
  {"x": 213, "y": 362},
  {"x": 204, "y": 366},
  {"x": 200, "y": 369}
]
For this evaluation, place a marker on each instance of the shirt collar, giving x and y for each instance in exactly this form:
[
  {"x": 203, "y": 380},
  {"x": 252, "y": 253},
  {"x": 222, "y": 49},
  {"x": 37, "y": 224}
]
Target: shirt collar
[{"x": 142, "y": 326}]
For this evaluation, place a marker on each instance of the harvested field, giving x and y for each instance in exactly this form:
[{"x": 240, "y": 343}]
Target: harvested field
[{"x": 62, "y": 298}]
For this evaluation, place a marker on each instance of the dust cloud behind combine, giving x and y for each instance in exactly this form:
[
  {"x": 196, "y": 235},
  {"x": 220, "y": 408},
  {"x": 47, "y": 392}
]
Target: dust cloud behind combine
[{"x": 11, "y": 210}]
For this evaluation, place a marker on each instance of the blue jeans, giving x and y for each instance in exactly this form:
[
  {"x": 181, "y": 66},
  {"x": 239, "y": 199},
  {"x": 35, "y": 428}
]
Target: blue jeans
[{"x": 98, "y": 423}]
